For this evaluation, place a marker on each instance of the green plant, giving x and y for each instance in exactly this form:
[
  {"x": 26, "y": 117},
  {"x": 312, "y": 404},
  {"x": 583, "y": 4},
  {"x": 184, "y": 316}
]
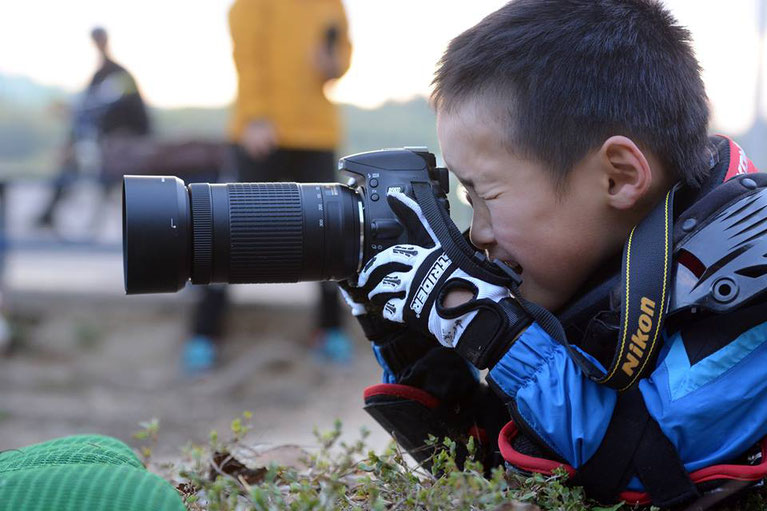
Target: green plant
[
  {"x": 149, "y": 432},
  {"x": 347, "y": 476}
]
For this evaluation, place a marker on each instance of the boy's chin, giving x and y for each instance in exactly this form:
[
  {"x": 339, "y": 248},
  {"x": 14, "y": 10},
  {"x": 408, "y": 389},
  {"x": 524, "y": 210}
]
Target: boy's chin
[{"x": 548, "y": 299}]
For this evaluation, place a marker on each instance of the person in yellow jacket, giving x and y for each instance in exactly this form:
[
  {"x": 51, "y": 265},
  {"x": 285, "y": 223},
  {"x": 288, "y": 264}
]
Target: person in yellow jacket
[
  {"x": 283, "y": 128},
  {"x": 285, "y": 52}
]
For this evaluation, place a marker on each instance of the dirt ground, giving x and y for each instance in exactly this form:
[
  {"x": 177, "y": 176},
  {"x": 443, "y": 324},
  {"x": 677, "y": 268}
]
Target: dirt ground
[{"x": 85, "y": 364}]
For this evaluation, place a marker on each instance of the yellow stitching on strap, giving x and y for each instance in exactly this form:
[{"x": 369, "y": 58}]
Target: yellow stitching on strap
[
  {"x": 662, "y": 301},
  {"x": 626, "y": 316}
]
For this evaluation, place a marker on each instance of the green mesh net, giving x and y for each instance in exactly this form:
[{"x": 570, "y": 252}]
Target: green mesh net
[{"x": 85, "y": 472}]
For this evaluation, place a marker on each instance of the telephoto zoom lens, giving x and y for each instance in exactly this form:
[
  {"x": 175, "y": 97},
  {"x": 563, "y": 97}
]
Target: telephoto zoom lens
[{"x": 237, "y": 233}]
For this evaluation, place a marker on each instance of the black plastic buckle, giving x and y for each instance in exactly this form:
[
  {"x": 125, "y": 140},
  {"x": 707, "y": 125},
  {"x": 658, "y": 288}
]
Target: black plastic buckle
[{"x": 516, "y": 279}]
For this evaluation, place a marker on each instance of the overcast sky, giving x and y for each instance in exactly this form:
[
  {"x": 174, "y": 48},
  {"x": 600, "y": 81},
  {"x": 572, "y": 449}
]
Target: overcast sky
[{"x": 180, "y": 51}]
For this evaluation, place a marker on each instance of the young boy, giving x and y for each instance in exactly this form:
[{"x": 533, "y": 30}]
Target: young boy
[{"x": 579, "y": 130}]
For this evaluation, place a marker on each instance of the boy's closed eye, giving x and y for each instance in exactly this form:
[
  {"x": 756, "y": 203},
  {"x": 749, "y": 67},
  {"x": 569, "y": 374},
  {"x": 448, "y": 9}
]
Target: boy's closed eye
[{"x": 465, "y": 195}]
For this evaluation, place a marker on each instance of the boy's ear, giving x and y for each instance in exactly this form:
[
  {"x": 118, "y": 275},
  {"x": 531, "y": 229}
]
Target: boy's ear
[{"x": 627, "y": 174}]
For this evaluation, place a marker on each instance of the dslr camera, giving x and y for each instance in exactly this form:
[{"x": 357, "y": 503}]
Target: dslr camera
[{"x": 271, "y": 232}]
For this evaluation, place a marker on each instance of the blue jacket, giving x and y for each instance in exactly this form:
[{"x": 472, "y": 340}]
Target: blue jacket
[{"x": 707, "y": 392}]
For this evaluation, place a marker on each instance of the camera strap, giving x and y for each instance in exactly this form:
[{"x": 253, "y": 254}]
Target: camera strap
[{"x": 646, "y": 277}]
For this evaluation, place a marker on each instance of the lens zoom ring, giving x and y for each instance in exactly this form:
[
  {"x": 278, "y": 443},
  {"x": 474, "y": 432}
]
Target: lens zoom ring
[
  {"x": 202, "y": 224},
  {"x": 266, "y": 224}
]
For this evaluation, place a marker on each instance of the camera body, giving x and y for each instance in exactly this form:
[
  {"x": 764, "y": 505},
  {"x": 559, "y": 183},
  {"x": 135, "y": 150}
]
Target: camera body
[
  {"x": 374, "y": 174},
  {"x": 269, "y": 232}
]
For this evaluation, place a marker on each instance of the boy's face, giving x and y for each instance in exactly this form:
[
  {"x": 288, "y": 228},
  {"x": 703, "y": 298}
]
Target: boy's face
[{"x": 554, "y": 240}]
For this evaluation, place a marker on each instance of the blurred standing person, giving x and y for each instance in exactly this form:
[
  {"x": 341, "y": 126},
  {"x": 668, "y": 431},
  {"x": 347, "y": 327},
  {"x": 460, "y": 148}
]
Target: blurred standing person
[
  {"x": 110, "y": 106},
  {"x": 283, "y": 128}
]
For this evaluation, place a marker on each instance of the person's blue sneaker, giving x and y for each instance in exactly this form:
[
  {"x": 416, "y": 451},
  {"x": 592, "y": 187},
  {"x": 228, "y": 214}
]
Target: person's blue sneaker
[
  {"x": 199, "y": 355},
  {"x": 334, "y": 345}
]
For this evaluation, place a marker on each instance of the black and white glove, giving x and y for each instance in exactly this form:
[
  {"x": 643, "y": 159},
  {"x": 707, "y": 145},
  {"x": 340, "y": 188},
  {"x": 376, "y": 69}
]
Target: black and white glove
[
  {"x": 411, "y": 281},
  {"x": 395, "y": 346}
]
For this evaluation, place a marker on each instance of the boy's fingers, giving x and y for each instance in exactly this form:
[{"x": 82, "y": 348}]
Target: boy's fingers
[
  {"x": 371, "y": 279},
  {"x": 393, "y": 310},
  {"x": 411, "y": 215},
  {"x": 392, "y": 283},
  {"x": 405, "y": 200},
  {"x": 380, "y": 299},
  {"x": 357, "y": 308},
  {"x": 396, "y": 258}
]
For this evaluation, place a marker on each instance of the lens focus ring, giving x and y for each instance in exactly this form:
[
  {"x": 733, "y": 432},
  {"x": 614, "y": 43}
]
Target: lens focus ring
[
  {"x": 266, "y": 222},
  {"x": 202, "y": 226}
]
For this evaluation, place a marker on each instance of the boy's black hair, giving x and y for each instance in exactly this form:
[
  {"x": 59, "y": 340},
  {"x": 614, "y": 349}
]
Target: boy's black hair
[{"x": 571, "y": 73}]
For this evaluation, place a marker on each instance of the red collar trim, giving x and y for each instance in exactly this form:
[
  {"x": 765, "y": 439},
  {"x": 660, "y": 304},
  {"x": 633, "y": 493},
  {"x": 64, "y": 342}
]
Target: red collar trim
[{"x": 739, "y": 163}]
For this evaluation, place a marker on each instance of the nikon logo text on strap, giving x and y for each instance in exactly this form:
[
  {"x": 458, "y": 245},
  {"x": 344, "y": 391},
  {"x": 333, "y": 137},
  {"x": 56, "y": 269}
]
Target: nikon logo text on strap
[
  {"x": 646, "y": 275},
  {"x": 638, "y": 345}
]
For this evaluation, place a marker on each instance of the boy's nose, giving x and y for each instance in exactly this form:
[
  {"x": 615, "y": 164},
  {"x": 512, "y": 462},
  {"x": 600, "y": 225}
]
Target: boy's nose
[{"x": 481, "y": 235}]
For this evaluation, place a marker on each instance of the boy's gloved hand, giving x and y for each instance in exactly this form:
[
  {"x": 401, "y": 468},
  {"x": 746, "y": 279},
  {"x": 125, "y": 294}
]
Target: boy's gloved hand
[
  {"x": 376, "y": 328},
  {"x": 427, "y": 390},
  {"x": 440, "y": 395},
  {"x": 395, "y": 346},
  {"x": 411, "y": 282}
]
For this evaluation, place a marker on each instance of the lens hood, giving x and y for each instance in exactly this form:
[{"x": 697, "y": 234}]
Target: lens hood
[{"x": 156, "y": 228}]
